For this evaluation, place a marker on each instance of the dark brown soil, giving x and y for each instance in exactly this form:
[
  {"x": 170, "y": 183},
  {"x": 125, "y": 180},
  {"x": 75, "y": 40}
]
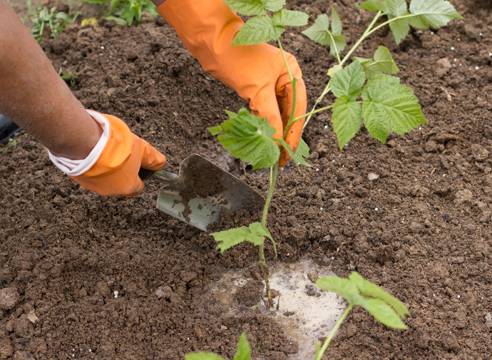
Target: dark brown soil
[{"x": 89, "y": 267}]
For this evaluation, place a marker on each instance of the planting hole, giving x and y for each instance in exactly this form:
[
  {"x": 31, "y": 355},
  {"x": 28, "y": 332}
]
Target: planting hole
[{"x": 305, "y": 313}]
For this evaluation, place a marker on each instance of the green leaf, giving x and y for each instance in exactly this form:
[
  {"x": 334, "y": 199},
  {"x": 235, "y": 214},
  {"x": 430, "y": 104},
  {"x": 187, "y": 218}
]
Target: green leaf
[
  {"x": 243, "y": 349},
  {"x": 320, "y": 33},
  {"x": 388, "y": 7},
  {"x": 248, "y": 7},
  {"x": 258, "y": 30},
  {"x": 369, "y": 289},
  {"x": 336, "y": 23},
  {"x": 396, "y": 7},
  {"x": 254, "y": 234},
  {"x": 392, "y": 8},
  {"x": 249, "y": 138},
  {"x": 290, "y": 18},
  {"x": 349, "y": 81},
  {"x": 300, "y": 155},
  {"x": 334, "y": 69},
  {"x": 347, "y": 120},
  {"x": 382, "y": 63},
  {"x": 274, "y": 5},
  {"x": 372, "y": 5},
  {"x": 358, "y": 291},
  {"x": 390, "y": 107},
  {"x": 320, "y": 30},
  {"x": 384, "y": 313},
  {"x": 400, "y": 29},
  {"x": 203, "y": 356},
  {"x": 432, "y": 13},
  {"x": 341, "y": 286}
]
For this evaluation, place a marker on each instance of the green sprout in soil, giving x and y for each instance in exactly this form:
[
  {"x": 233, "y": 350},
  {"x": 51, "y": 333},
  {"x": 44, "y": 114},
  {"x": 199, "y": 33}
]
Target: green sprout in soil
[
  {"x": 11, "y": 144},
  {"x": 69, "y": 77},
  {"x": 243, "y": 352},
  {"x": 366, "y": 90},
  {"x": 357, "y": 291},
  {"x": 48, "y": 21},
  {"x": 125, "y": 12}
]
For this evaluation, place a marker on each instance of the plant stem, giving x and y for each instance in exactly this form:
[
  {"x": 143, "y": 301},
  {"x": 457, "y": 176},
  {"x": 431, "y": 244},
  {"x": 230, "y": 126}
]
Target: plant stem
[
  {"x": 274, "y": 171},
  {"x": 313, "y": 112},
  {"x": 364, "y": 36},
  {"x": 333, "y": 332}
]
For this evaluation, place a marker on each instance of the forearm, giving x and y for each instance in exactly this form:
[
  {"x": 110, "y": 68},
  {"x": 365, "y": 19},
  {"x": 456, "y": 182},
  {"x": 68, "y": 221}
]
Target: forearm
[{"x": 36, "y": 98}]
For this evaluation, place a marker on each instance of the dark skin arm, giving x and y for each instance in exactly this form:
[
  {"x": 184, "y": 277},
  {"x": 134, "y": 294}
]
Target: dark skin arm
[{"x": 36, "y": 98}]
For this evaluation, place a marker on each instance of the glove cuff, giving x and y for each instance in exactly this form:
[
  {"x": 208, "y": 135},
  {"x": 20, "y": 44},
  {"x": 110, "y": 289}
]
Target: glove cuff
[{"x": 79, "y": 167}]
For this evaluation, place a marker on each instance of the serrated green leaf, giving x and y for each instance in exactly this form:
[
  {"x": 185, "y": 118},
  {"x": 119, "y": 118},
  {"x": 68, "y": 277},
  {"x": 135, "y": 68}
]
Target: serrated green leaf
[
  {"x": 396, "y": 7},
  {"x": 203, "y": 356},
  {"x": 387, "y": 7},
  {"x": 320, "y": 33},
  {"x": 382, "y": 63},
  {"x": 349, "y": 81},
  {"x": 274, "y": 5},
  {"x": 255, "y": 234},
  {"x": 369, "y": 289},
  {"x": 300, "y": 155},
  {"x": 215, "y": 130},
  {"x": 336, "y": 23},
  {"x": 432, "y": 13},
  {"x": 346, "y": 119},
  {"x": 247, "y": 7},
  {"x": 372, "y": 5},
  {"x": 341, "y": 286},
  {"x": 290, "y": 18},
  {"x": 384, "y": 313},
  {"x": 334, "y": 69},
  {"x": 390, "y": 107},
  {"x": 258, "y": 30},
  {"x": 249, "y": 138},
  {"x": 400, "y": 29},
  {"x": 243, "y": 351}
]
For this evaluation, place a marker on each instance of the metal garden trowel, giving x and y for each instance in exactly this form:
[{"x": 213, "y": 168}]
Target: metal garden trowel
[{"x": 202, "y": 193}]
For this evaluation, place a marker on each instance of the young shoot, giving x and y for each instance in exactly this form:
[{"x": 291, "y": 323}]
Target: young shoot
[
  {"x": 243, "y": 352},
  {"x": 125, "y": 12},
  {"x": 69, "y": 77},
  {"x": 357, "y": 291},
  {"x": 48, "y": 21},
  {"x": 367, "y": 92}
]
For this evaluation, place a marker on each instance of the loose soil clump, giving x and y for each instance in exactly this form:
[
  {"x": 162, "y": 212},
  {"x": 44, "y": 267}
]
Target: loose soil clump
[{"x": 89, "y": 268}]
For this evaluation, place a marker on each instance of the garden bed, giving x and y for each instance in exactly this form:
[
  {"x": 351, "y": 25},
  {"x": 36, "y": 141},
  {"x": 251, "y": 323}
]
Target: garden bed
[{"x": 115, "y": 279}]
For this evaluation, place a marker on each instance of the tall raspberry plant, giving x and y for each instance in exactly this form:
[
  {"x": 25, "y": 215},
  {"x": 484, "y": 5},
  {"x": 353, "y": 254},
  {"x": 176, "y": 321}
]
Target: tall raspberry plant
[{"x": 367, "y": 91}]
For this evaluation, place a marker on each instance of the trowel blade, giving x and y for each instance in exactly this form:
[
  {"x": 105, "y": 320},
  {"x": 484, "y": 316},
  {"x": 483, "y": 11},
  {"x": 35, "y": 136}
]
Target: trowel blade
[{"x": 203, "y": 192}]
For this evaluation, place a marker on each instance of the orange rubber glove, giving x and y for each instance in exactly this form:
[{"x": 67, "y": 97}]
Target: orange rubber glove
[
  {"x": 257, "y": 73},
  {"x": 116, "y": 170}
]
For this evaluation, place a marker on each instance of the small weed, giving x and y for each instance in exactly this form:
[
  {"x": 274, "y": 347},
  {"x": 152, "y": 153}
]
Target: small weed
[
  {"x": 48, "y": 21},
  {"x": 69, "y": 77},
  {"x": 125, "y": 12},
  {"x": 10, "y": 145}
]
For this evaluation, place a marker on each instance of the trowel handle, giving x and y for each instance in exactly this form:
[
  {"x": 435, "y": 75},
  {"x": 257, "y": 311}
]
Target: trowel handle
[{"x": 144, "y": 174}]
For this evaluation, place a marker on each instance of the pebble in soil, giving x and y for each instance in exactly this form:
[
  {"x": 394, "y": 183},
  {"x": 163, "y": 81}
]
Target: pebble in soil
[{"x": 305, "y": 313}]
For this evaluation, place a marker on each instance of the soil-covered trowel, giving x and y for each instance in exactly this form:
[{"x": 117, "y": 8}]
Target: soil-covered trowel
[{"x": 202, "y": 193}]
